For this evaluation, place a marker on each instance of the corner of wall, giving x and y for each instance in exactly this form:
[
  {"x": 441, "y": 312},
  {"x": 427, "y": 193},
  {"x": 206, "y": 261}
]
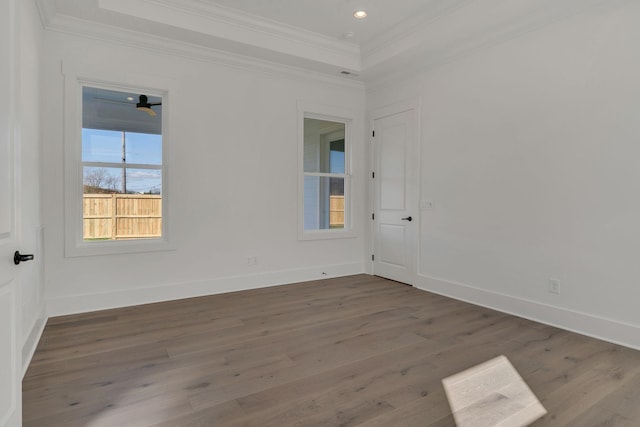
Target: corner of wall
[{"x": 33, "y": 338}]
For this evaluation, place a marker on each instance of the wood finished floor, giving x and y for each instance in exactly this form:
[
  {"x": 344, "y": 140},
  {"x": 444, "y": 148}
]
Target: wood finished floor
[{"x": 353, "y": 351}]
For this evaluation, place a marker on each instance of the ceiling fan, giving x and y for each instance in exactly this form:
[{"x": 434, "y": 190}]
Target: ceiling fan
[{"x": 143, "y": 103}]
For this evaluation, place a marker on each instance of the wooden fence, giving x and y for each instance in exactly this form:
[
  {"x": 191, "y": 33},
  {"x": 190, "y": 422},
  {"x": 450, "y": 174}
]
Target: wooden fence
[
  {"x": 336, "y": 211},
  {"x": 139, "y": 216},
  {"x": 122, "y": 216}
]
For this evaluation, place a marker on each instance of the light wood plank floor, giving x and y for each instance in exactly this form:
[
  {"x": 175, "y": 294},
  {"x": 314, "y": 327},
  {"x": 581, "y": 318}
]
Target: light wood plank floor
[{"x": 353, "y": 351}]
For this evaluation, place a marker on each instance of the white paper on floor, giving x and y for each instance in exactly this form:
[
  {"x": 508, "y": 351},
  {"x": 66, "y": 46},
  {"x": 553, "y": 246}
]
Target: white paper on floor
[{"x": 492, "y": 394}]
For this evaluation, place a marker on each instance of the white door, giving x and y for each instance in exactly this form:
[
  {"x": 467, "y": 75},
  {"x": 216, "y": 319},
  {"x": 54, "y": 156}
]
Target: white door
[
  {"x": 396, "y": 161},
  {"x": 10, "y": 360}
]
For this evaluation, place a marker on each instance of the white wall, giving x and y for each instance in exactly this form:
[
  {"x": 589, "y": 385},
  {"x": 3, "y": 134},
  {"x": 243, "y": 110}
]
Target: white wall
[
  {"x": 530, "y": 152},
  {"x": 233, "y": 183},
  {"x": 31, "y": 281}
]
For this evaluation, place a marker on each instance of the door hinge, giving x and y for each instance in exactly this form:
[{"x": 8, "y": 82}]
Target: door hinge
[
  {"x": 372, "y": 257},
  {"x": 373, "y": 216},
  {"x": 373, "y": 134},
  {"x": 373, "y": 174}
]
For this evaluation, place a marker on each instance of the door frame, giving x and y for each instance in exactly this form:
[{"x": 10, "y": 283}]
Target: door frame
[
  {"x": 411, "y": 104},
  {"x": 10, "y": 241}
]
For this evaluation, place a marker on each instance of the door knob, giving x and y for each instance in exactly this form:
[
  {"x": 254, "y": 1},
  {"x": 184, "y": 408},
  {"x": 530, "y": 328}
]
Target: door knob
[
  {"x": 18, "y": 257},
  {"x": 407, "y": 219}
]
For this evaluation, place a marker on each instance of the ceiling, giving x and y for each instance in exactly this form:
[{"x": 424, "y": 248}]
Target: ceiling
[
  {"x": 311, "y": 35},
  {"x": 334, "y": 18}
]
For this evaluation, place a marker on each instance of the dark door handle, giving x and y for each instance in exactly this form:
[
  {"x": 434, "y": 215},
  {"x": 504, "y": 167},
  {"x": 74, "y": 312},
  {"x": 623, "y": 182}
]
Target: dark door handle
[
  {"x": 407, "y": 219},
  {"x": 18, "y": 257}
]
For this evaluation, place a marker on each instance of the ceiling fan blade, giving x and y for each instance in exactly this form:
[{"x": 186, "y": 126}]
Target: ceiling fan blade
[{"x": 148, "y": 110}]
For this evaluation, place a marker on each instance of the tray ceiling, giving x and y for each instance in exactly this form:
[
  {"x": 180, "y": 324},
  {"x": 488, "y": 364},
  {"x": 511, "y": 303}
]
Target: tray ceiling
[{"x": 310, "y": 34}]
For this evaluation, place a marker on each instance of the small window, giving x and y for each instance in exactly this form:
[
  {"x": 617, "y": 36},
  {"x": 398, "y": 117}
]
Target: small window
[
  {"x": 122, "y": 167},
  {"x": 325, "y": 177}
]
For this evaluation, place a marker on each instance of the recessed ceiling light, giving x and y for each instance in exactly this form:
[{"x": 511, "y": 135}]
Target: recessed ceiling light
[{"x": 360, "y": 14}]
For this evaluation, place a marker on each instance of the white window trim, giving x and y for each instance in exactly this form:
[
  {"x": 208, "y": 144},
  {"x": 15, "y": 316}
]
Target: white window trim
[
  {"x": 74, "y": 79},
  {"x": 336, "y": 114}
]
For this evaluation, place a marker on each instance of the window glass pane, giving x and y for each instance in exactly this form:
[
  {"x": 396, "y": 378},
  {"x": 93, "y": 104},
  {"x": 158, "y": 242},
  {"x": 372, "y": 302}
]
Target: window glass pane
[
  {"x": 144, "y": 181},
  {"x": 324, "y": 146},
  {"x": 323, "y": 203},
  {"x": 336, "y": 156},
  {"x": 108, "y": 213},
  {"x": 143, "y": 148},
  {"x": 122, "y": 180},
  {"x": 121, "y": 111},
  {"x": 101, "y": 146},
  {"x": 102, "y": 180}
]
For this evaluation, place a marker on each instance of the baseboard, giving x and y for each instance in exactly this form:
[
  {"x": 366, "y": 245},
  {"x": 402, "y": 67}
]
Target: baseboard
[
  {"x": 31, "y": 343},
  {"x": 93, "y": 302},
  {"x": 582, "y": 323}
]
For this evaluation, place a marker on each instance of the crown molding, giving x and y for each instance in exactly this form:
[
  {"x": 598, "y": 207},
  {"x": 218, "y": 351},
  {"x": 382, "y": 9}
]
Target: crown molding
[
  {"x": 65, "y": 24},
  {"x": 237, "y": 26},
  {"x": 391, "y": 38},
  {"x": 442, "y": 42},
  {"x": 223, "y": 14},
  {"x": 203, "y": 30},
  {"x": 46, "y": 10}
]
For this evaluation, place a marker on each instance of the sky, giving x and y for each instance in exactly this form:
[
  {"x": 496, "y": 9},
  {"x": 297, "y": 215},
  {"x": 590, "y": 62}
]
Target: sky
[
  {"x": 336, "y": 162},
  {"x": 106, "y": 146}
]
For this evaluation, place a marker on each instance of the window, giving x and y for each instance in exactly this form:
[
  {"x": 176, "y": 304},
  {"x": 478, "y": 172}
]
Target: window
[
  {"x": 325, "y": 180},
  {"x": 121, "y": 165},
  {"x": 115, "y": 178}
]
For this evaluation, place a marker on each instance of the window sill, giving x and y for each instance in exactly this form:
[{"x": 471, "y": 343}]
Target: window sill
[
  {"x": 326, "y": 234},
  {"x": 117, "y": 247}
]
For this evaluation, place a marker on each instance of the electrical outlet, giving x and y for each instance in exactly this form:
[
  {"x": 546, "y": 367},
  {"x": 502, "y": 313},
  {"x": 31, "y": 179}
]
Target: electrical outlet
[
  {"x": 426, "y": 204},
  {"x": 252, "y": 260},
  {"x": 554, "y": 286}
]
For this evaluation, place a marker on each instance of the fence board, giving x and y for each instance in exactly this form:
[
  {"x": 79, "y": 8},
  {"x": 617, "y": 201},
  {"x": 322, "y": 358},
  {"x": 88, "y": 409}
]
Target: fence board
[
  {"x": 122, "y": 216},
  {"x": 336, "y": 211}
]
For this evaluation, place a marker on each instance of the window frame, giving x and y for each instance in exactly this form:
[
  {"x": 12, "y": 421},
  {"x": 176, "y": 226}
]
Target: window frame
[
  {"x": 339, "y": 115},
  {"x": 75, "y": 245}
]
